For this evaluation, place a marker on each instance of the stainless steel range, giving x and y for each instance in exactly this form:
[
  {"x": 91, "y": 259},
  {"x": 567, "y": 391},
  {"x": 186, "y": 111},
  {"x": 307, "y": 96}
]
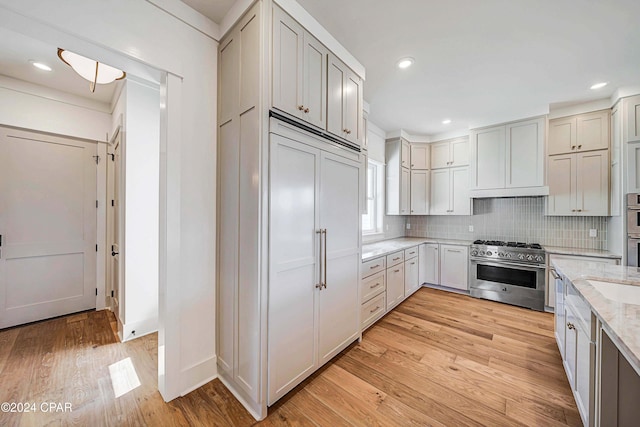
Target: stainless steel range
[{"x": 509, "y": 272}]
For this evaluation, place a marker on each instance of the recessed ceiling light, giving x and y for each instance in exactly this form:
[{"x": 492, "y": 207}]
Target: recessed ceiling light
[
  {"x": 599, "y": 85},
  {"x": 446, "y": 121},
  {"x": 405, "y": 63},
  {"x": 40, "y": 66}
]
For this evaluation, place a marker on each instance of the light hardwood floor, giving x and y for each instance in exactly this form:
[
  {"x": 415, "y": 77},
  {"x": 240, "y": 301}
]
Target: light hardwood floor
[{"x": 438, "y": 359}]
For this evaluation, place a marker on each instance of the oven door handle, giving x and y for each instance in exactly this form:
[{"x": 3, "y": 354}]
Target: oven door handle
[{"x": 508, "y": 263}]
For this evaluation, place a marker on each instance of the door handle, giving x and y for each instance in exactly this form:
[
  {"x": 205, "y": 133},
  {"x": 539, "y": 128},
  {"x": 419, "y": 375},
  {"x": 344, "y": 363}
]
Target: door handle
[
  {"x": 319, "y": 285},
  {"x": 324, "y": 283},
  {"x": 114, "y": 253}
]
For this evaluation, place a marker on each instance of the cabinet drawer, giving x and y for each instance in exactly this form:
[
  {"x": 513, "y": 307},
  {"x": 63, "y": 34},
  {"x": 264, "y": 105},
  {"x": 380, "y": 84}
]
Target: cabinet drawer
[
  {"x": 411, "y": 253},
  {"x": 372, "y": 266},
  {"x": 395, "y": 258},
  {"x": 581, "y": 310},
  {"x": 372, "y": 286},
  {"x": 372, "y": 310}
]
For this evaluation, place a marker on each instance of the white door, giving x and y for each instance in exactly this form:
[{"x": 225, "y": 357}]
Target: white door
[
  {"x": 592, "y": 183},
  {"x": 419, "y": 192},
  {"x": 395, "y": 285},
  {"x": 405, "y": 188},
  {"x": 288, "y": 38},
  {"x": 294, "y": 275},
  {"x": 339, "y": 210},
  {"x": 335, "y": 96},
  {"x": 48, "y": 226},
  {"x": 315, "y": 82},
  {"x": 460, "y": 200},
  {"x": 453, "y": 266},
  {"x": 488, "y": 148},
  {"x": 562, "y": 135},
  {"x": 440, "y": 155},
  {"x": 562, "y": 187},
  {"x": 410, "y": 276},
  {"x": 420, "y": 156},
  {"x": 459, "y": 149},
  {"x": 592, "y": 131},
  {"x": 439, "y": 198},
  {"x": 113, "y": 225},
  {"x": 432, "y": 264},
  {"x": 525, "y": 154},
  {"x": 353, "y": 108}
]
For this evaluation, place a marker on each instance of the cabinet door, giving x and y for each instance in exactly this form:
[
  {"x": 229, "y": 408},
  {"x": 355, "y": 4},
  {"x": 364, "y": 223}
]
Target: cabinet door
[
  {"x": 525, "y": 154},
  {"x": 562, "y": 184},
  {"x": 294, "y": 268},
  {"x": 440, "y": 155},
  {"x": 570, "y": 343},
  {"x": 367, "y": 187},
  {"x": 585, "y": 355},
  {"x": 460, "y": 201},
  {"x": 440, "y": 192},
  {"x": 559, "y": 316},
  {"x": 420, "y": 156},
  {"x": 562, "y": 136},
  {"x": 405, "y": 153},
  {"x": 592, "y": 183},
  {"x": 616, "y": 161},
  {"x": 488, "y": 151},
  {"x": 288, "y": 41},
  {"x": 432, "y": 264},
  {"x": 419, "y": 192},
  {"x": 459, "y": 152},
  {"x": 405, "y": 178},
  {"x": 339, "y": 210},
  {"x": 336, "y": 79},
  {"x": 365, "y": 130},
  {"x": 632, "y": 119},
  {"x": 454, "y": 262},
  {"x": 395, "y": 285},
  {"x": 411, "y": 276},
  {"x": 592, "y": 131},
  {"x": 314, "y": 78},
  {"x": 353, "y": 108},
  {"x": 633, "y": 167}
]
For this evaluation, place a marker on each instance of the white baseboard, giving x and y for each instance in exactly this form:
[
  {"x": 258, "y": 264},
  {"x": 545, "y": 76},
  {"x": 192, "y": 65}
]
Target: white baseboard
[
  {"x": 198, "y": 375},
  {"x": 256, "y": 412},
  {"x": 138, "y": 329}
]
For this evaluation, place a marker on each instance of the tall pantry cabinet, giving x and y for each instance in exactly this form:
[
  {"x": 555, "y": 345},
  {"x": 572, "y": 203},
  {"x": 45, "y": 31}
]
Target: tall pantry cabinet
[{"x": 289, "y": 203}]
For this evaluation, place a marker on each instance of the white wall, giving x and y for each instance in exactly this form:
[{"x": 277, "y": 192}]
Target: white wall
[
  {"x": 133, "y": 36},
  {"x": 35, "y": 107},
  {"x": 141, "y": 164}
]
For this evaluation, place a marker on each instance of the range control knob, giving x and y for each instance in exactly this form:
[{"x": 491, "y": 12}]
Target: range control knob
[
  {"x": 539, "y": 259},
  {"x": 481, "y": 253},
  {"x": 520, "y": 256},
  {"x": 474, "y": 253},
  {"x": 489, "y": 253},
  {"x": 529, "y": 257},
  {"x": 507, "y": 255},
  {"x": 500, "y": 254}
]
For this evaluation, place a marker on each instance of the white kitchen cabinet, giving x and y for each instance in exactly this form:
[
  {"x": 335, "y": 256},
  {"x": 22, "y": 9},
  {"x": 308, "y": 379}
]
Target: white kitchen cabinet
[
  {"x": 508, "y": 159},
  {"x": 405, "y": 153},
  {"x": 419, "y": 187},
  {"x": 616, "y": 161},
  {"x": 450, "y": 153},
  {"x": 398, "y": 188},
  {"x": 450, "y": 192},
  {"x": 631, "y": 128},
  {"x": 411, "y": 274},
  {"x": 633, "y": 167},
  {"x": 583, "y": 132},
  {"x": 364, "y": 170},
  {"x": 313, "y": 309},
  {"x": 454, "y": 266},
  {"x": 559, "y": 311},
  {"x": 579, "y": 184},
  {"x": 429, "y": 271},
  {"x": 344, "y": 101},
  {"x": 299, "y": 71},
  {"x": 395, "y": 285},
  {"x": 420, "y": 156}
]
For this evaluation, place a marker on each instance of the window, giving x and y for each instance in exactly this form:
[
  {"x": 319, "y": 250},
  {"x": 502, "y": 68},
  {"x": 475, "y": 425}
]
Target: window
[{"x": 372, "y": 220}]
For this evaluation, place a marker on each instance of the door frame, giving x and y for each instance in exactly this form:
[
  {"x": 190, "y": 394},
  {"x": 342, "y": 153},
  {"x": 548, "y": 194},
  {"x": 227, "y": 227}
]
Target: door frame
[{"x": 118, "y": 136}]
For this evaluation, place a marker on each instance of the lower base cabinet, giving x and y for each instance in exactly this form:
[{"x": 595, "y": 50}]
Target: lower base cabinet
[
  {"x": 429, "y": 271},
  {"x": 454, "y": 266},
  {"x": 395, "y": 285}
]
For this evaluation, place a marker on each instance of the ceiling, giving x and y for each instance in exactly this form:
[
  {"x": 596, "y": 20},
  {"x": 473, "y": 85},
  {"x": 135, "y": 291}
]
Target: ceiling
[
  {"x": 478, "y": 62},
  {"x": 16, "y": 50},
  {"x": 213, "y": 9}
]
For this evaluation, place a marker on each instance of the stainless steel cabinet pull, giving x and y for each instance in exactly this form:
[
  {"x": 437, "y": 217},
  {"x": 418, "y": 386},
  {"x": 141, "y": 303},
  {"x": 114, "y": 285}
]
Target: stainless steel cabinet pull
[
  {"x": 396, "y": 271},
  {"x": 301, "y": 107},
  {"x": 413, "y": 263},
  {"x": 571, "y": 326},
  {"x": 579, "y": 146},
  {"x": 375, "y": 266},
  {"x": 374, "y": 286},
  {"x": 377, "y": 308},
  {"x": 573, "y": 147},
  {"x": 306, "y": 110},
  {"x": 320, "y": 284},
  {"x": 395, "y": 259},
  {"x": 324, "y": 283}
]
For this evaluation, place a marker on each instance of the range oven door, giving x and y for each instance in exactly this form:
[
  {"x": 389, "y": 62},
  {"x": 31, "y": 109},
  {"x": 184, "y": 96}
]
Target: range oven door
[{"x": 509, "y": 282}]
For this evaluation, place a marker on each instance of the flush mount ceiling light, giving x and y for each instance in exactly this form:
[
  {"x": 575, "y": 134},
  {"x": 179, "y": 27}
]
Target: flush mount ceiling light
[
  {"x": 405, "y": 63},
  {"x": 599, "y": 85},
  {"x": 40, "y": 65},
  {"x": 446, "y": 121},
  {"x": 94, "y": 71}
]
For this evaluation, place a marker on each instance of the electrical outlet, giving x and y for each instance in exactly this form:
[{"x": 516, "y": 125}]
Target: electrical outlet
[
  {"x": 471, "y": 229},
  {"x": 408, "y": 226},
  {"x": 593, "y": 232}
]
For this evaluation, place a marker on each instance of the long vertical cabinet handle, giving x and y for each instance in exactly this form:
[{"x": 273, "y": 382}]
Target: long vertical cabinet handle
[
  {"x": 324, "y": 283},
  {"x": 319, "y": 284}
]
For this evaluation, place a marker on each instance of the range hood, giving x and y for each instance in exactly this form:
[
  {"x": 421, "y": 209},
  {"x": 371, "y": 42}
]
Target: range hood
[{"x": 509, "y": 192}]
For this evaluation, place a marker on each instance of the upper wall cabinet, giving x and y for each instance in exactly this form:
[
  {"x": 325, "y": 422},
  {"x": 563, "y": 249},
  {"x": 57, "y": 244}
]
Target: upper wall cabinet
[
  {"x": 398, "y": 177},
  {"x": 344, "y": 102},
  {"x": 584, "y": 132},
  {"x": 419, "y": 156},
  {"x": 450, "y": 153},
  {"x": 508, "y": 160},
  {"x": 299, "y": 71},
  {"x": 632, "y": 119}
]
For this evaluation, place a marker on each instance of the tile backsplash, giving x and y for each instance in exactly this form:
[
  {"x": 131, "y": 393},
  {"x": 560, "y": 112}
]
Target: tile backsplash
[{"x": 513, "y": 219}]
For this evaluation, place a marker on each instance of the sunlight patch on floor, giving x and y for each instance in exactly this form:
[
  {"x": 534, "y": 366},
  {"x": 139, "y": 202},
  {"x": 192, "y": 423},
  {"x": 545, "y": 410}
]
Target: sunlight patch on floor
[{"x": 123, "y": 377}]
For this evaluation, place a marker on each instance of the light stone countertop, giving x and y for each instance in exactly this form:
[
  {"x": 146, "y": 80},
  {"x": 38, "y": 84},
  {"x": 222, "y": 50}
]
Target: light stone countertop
[
  {"x": 580, "y": 252},
  {"x": 616, "y": 302},
  {"x": 384, "y": 247}
]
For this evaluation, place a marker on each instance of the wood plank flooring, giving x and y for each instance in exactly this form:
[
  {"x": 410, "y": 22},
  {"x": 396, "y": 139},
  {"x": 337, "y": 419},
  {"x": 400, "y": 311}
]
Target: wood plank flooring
[{"x": 438, "y": 359}]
